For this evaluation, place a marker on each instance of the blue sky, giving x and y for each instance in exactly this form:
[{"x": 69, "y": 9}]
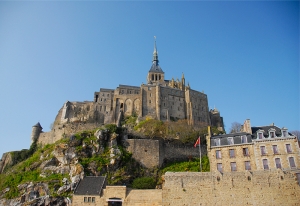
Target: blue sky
[{"x": 243, "y": 55}]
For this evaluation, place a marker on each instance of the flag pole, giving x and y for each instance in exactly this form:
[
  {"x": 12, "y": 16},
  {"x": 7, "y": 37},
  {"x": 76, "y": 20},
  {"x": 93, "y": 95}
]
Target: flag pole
[{"x": 200, "y": 154}]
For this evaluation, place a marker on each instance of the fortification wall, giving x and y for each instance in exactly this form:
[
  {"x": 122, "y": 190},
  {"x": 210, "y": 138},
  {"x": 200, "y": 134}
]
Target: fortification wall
[
  {"x": 146, "y": 151},
  {"x": 182, "y": 152},
  {"x": 232, "y": 188}
]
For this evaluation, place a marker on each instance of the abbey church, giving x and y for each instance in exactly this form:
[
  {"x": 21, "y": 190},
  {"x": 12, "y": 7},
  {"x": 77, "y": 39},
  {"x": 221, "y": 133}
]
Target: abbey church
[{"x": 166, "y": 100}]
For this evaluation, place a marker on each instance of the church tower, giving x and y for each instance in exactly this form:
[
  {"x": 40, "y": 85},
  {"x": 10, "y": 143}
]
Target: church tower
[{"x": 155, "y": 74}]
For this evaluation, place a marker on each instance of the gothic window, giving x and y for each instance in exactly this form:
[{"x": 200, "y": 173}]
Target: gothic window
[
  {"x": 101, "y": 99},
  {"x": 288, "y": 148},
  {"x": 278, "y": 163},
  {"x": 100, "y": 108},
  {"x": 247, "y": 165},
  {"x": 104, "y": 108},
  {"x": 159, "y": 77},
  {"x": 149, "y": 101},
  {"x": 152, "y": 77},
  {"x": 265, "y": 164},
  {"x": 150, "y": 95},
  {"x": 233, "y": 166},
  {"x": 96, "y": 98}
]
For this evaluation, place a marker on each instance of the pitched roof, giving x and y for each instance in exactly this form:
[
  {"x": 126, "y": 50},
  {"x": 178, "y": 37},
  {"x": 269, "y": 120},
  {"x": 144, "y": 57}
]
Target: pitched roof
[
  {"x": 90, "y": 185},
  {"x": 156, "y": 68}
]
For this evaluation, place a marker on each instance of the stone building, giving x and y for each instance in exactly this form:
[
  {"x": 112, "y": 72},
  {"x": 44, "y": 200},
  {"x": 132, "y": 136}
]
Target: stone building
[
  {"x": 159, "y": 98},
  {"x": 255, "y": 148}
]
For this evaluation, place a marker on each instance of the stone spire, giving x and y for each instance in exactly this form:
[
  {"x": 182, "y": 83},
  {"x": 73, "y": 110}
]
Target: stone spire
[{"x": 155, "y": 53}]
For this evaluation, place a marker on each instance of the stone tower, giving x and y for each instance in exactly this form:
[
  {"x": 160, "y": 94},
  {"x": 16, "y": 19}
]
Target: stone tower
[
  {"x": 36, "y": 131},
  {"x": 155, "y": 74}
]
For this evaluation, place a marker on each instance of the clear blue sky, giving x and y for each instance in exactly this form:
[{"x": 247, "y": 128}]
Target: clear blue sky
[{"x": 243, "y": 55}]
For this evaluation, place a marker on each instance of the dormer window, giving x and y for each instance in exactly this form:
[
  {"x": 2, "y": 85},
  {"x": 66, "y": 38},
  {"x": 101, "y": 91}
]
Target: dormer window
[
  {"x": 230, "y": 141},
  {"x": 272, "y": 133},
  {"x": 244, "y": 139},
  {"x": 284, "y": 132},
  {"x": 260, "y": 134},
  {"x": 217, "y": 142}
]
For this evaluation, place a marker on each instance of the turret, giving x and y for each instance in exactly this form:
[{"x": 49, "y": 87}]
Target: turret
[{"x": 36, "y": 131}]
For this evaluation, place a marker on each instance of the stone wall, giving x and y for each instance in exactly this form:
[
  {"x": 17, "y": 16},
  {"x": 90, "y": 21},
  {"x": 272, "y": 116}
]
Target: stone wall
[
  {"x": 5, "y": 160},
  {"x": 274, "y": 187},
  {"x": 153, "y": 153},
  {"x": 147, "y": 152},
  {"x": 181, "y": 151}
]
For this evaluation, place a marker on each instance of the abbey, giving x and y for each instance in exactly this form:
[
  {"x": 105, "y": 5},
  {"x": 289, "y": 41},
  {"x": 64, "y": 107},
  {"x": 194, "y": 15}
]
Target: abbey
[{"x": 159, "y": 99}]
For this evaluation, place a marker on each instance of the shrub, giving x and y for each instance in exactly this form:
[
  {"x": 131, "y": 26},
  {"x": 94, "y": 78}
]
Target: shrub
[{"x": 144, "y": 183}]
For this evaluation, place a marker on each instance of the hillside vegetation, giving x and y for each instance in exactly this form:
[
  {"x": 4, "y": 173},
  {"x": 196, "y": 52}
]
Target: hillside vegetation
[{"x": 55, "y": 169}]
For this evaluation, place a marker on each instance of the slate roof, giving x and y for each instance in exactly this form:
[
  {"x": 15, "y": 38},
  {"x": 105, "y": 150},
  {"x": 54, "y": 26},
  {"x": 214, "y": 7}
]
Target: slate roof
[
  {"x": 90, "y": 185},
  {"x": 266, "y": 131},
  {"x": 156, "y": 68},
  {"x": 37, "y": 125},
  {"x": 236, "y": 138}
]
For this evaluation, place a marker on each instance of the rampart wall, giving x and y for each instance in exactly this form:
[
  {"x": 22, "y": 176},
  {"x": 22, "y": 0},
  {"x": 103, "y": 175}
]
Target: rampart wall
[
  {"x": 233, "y": 188},
  {"x": 152, "y": 153}
]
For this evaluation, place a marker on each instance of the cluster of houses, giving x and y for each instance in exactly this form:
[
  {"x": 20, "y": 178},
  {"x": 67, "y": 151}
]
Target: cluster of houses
[{"x": 262, "y": 148}]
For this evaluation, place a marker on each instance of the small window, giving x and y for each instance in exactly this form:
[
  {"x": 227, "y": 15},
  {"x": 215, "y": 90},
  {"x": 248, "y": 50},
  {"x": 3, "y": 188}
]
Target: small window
[
  {"x": 93, "y": 199},
  {"x": 129, "y": 92},
  {"x": 288, "y": 148},
  {"x": 272, "y": 134},
  {"x": 260, "y": 135},
  {"x": 217, "y": 142},
  {"x": 122, "y": 91},
  {"x": 100, "y": 108},
  {"x": 246, "y": 151},
  {"x": 218, "y": 154},
  {"x": 219, "y": 167},
  {"x": 85, "y": 199},
  {"x": 265, "y": 164},
  {"x": 89, "y": 199},
  {"x": 247, "y": 165},
  {"x": 150, "y": 94},
  {"x": 164, "y": 104},
  {"x": 284, "y": 133},
  {"x": 149, "y": 101},
  {"x": 107, "y": 95},
  {"x": 244, "y": 139},
  {"x": 278, "y": 163},
  {"x": 263, "y": 150},
  {"x": 292, "y": 162},
  {"x": 275, "y": 149},
  {"x": 149, "y": 88},
  {"x": 230, "y": 140},
  {"x": 233, "y": 166},
  {"x": 231, "y": 153},
  {"x": 104, "y": 108},
  {"x": 101, "y": 99}
]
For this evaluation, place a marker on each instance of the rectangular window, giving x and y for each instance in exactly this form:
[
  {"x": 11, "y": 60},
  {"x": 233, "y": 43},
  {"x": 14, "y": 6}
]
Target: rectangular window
[
  {"x": 272, "y": 134},
  {"x": 218, "y": 154},
  {"x": 150, "y": 95},
  {"x": 284, "y": 133},
  {"x": 231, "y": 153},
  {"x": 219, "y": 167},
  {"x": 247, "y": 165},
  {"x": 89, "y": 199},
  {"x": 93, "y": 199},
  {"x": 85, "y": 199},
  {"x": 288, "y": 148},
  {"x": 233, "y": 166},
  {"x": 244, "y": 139},
  {"x": 149, "y": 101},
  {"x": 277, "y": 162},
  {"x": 260, "y": 135},
  {"x": 217, "y": 142},
  {"x": 245, "y": 151},
  {"x": 263, "y": 150},
  {"x": 298, "y": 178},
  {"x": 104, "y": 108},
  {"x": 292, "y": 162},
  {"x": 107, "y": 95},
  {"x": 265, "y": 164},
  {"x": 230, "y": 140},
  {"x": 149, "y": 88},
  {"x": 275, "y": 149}
]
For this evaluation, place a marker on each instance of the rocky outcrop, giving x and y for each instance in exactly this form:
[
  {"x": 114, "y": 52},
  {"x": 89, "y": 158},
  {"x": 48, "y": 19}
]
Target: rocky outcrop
[{"x": 5, "y": 161}]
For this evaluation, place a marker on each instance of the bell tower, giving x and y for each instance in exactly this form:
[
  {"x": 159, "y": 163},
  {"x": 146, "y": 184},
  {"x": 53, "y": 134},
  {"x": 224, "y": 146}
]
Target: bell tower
[{"x": 155, "y": 74}]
